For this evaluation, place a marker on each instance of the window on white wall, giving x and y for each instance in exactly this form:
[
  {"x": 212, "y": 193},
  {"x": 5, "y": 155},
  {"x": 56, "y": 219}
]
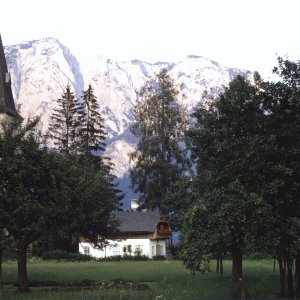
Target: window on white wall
[
  {"x": 116, "y": 250},
  {"x": 86, "y": 250},
  {"x": 159, "y": 250},
  {"x": 138, "y": 250}
]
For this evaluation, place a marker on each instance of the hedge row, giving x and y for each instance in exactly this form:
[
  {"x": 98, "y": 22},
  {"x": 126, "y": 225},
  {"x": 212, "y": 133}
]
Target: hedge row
[{"x": 61, "y": 255}]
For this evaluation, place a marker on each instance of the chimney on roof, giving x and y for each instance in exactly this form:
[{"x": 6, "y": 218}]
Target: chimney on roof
[{"x": 134, "y": 204}]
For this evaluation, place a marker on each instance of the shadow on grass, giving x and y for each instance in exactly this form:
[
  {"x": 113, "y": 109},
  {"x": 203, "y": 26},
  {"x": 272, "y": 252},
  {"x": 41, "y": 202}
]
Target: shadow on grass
[{"x": 88, "y": 284}]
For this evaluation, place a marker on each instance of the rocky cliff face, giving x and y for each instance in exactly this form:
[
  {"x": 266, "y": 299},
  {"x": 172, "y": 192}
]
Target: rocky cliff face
[{"x": 41, "y": 69}]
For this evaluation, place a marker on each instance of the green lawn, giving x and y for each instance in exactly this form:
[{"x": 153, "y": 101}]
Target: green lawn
[{"x": 167, "y": 278}]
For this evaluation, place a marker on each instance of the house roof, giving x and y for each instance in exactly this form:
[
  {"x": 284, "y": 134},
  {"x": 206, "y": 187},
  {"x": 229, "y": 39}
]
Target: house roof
[
  {"x": 7, "y": 104},
  {"x": 137, "y": 221}
]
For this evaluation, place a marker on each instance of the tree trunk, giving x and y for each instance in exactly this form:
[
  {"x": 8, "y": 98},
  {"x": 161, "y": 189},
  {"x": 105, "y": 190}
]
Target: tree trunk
[
  {"x": 221, "y": 265},
  {"x": 1, "y": 278},
  {"x": 22, "y": 268},
  {"x": 219, "y": 268},
  {"x": 297, "y": 275},
  {"x": 237, "y": 264},
  {"x": 290, "y": 287},
  {"x": 282, "y": 276}
]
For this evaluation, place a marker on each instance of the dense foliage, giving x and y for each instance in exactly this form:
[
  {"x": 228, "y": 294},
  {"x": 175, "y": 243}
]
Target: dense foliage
[
  {"x": 77, "y": 126},
  {"x": 160, "y": 158},
  {"x": 245, "y": 144},
  {"x": 228, "y": 205},
  {"x": 45, "y": 192},
  {"x": 62, "y": 129},
  {"x": 91, "y": 133},
  {"x": 246, "y": 149}
]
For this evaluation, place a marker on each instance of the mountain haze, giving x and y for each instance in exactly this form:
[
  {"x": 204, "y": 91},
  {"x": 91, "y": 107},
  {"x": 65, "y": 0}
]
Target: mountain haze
[{"x": 41, "y": 69}]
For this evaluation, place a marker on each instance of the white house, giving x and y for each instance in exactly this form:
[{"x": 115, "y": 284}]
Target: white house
[{"x": 140, "y": 233}]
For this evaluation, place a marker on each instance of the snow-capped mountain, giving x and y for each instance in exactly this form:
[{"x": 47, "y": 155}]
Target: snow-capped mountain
[{"x": 41, "y": 69}]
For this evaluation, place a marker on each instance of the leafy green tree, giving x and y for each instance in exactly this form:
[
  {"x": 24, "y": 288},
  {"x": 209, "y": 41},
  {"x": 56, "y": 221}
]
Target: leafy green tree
[
  {"x": 160, "y": 159},
  {"x": 92, "y": 132},
  {"x": 177, "y": 202},
  {"x": 23, "y": 179},
  {"x": 246, "y": 146},
  {"x": 282, "y": 171},
  {"x": 207, "y": 241},
  {"x": 98, "y": 196},
  {"x": 225, "y": 142},
  {"x": 44, "y": 192}
]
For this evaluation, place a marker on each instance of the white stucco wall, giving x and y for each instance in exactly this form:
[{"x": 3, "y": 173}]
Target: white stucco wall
[{"x": 147, "y": 247}]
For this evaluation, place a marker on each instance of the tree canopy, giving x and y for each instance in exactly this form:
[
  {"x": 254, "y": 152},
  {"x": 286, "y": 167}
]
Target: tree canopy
[
  {"x": 160, "y": 158},
  {"x": 63, "y": 124},
  {"x": 246, "y": 149},
  {"x": 43, "y": 192},
  {"x": 91, "y": 135},
  {"x": 227, "y": 188}
]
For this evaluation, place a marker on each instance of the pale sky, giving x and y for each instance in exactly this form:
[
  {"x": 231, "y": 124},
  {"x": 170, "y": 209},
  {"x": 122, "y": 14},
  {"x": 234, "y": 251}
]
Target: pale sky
[{"x": 247, "y": 34}]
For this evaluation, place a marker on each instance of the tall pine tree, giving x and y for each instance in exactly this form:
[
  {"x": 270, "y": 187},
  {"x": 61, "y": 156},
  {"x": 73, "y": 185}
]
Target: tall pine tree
[
  {"x": 91, "y": 133},
  {"x": 91, "y": 139},
  {"x": 160, "y": 159},
  {"x": 62, "y": 128}
]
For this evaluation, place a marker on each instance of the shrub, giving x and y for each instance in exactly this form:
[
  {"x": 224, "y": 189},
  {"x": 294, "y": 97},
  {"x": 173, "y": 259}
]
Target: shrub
[
  {"x": 111, "y": 258},
  {"x": 135, "y": 257},
  {"x": 158, "y": 257},
  {"x": 60, "y": 255}
]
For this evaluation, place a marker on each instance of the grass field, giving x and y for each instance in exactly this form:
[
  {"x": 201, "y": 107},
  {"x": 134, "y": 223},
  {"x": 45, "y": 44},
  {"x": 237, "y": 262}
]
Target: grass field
[{"x": 168, "y": 279}]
